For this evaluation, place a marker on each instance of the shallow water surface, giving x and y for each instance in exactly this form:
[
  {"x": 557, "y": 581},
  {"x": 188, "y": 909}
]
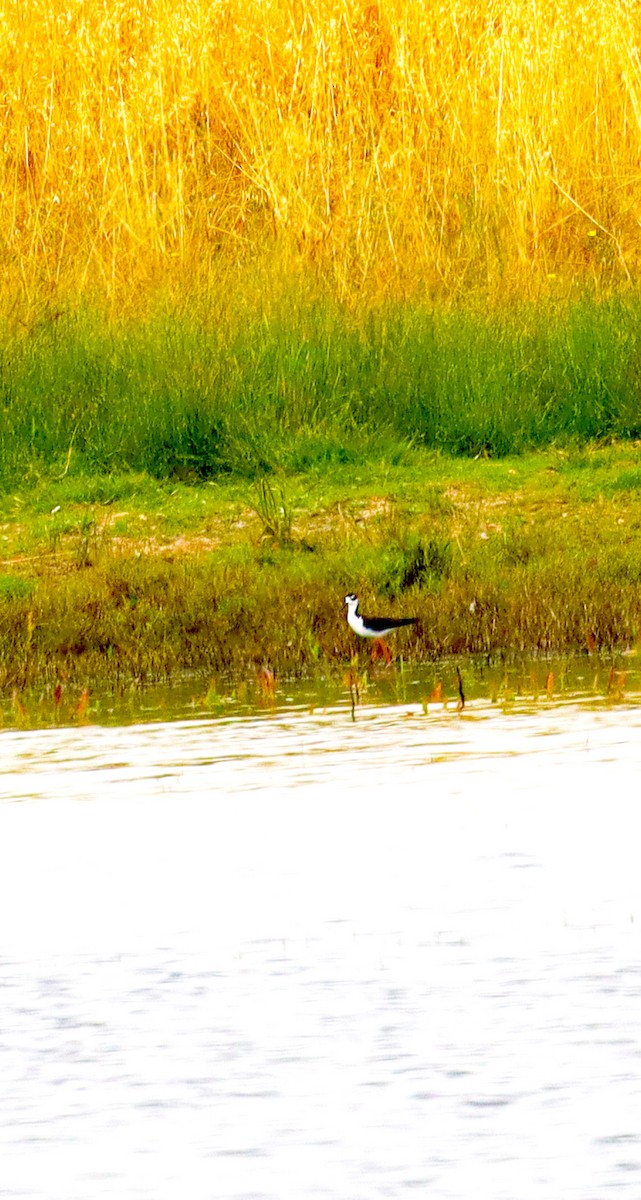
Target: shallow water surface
[{"x": 294, "y": 955}]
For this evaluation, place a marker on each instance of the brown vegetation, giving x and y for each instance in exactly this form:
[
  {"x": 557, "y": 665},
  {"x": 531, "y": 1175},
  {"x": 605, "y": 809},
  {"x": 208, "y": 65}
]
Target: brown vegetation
[{"x": 397, "y": 148}]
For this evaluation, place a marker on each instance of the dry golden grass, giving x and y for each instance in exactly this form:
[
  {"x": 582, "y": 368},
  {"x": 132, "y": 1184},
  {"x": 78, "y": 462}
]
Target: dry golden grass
[{"x": 395, "y": 148}]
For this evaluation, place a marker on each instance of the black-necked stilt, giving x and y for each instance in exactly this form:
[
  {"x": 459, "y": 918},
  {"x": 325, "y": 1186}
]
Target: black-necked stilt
[{"x": 373, "y": 627}]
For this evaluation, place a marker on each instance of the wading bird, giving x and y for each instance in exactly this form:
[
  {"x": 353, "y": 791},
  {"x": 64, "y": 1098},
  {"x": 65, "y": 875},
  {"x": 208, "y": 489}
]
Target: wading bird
[{"x": 374, "y": 627}]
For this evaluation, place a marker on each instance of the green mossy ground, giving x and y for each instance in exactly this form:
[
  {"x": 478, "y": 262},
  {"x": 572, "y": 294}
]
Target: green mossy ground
[{"x": 118, "y": 577}]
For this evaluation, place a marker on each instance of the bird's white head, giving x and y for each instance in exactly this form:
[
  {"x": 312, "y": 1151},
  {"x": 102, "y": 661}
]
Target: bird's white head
[{"x": 352, "y": 602}]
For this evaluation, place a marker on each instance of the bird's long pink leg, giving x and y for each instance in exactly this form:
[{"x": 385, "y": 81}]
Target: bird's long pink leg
[{"x": 381, "y": 648}]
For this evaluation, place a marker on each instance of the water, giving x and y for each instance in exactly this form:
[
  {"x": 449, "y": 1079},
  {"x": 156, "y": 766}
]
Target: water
[
  {"x": 292, "y": 956},
  {"x": 517, "y": 680}
]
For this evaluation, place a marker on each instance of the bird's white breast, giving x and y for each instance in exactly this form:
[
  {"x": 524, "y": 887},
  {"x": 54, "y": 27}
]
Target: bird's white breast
[{"x": 355, "y": 622}]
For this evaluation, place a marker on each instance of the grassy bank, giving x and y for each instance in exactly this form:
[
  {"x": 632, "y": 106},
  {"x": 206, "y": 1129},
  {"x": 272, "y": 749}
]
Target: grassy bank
[
  {"x": 125, "y": 577},
  {"x": 295, "y": 382}
]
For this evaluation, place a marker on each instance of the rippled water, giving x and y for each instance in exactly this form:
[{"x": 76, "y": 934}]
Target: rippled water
[{"x": 295, "y": 956}]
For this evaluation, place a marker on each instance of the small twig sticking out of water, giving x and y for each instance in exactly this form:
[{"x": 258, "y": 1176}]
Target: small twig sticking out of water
[
  {"x": 351, "y": 679},
  {"x": 461, "y": 701},
  {"x": 266, "y": 681},
  {"x": 80, "y": 711},
  {"x": 616, "y": 683}
]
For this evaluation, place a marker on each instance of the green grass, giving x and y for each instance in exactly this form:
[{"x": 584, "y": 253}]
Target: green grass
[
  {"x": 302, "y": 385},
  {"x": 172, "y": 491},
  {"x": 496, "y": 557}
]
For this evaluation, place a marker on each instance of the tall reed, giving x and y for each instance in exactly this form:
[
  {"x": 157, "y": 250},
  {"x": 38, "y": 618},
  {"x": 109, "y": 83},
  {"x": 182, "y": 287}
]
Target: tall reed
[{"x": 394, "y": 148}]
